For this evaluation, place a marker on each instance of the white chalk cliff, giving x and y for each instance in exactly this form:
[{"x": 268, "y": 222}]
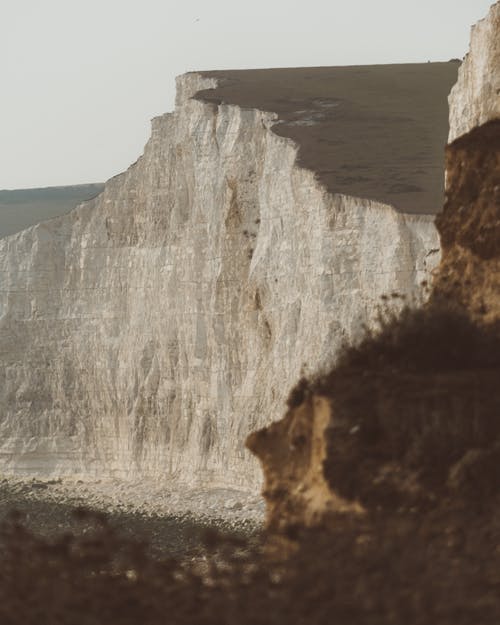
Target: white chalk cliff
[
  {"x": 475, "y": 99},
  {"x": 146, "y": 333}
]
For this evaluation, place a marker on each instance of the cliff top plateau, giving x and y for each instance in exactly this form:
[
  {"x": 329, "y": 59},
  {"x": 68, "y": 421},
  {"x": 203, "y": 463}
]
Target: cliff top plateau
[{"x": 375, "y": 131}]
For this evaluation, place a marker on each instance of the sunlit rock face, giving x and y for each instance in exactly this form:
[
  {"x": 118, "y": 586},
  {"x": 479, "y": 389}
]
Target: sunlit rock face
[
  {"x": 475, "y": 99},
  {"x": 411, "y": 417},
  {"x": 469, "y": 225},
  {"x": 149, "y": 331}
]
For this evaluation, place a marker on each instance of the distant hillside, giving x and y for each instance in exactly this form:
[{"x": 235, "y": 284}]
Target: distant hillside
[{"x": 21, "y": 208}]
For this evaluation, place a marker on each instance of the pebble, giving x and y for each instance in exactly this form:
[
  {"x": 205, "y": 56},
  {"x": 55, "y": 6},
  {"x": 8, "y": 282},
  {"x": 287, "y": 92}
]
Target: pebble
[{"x": 219, "y": 504}]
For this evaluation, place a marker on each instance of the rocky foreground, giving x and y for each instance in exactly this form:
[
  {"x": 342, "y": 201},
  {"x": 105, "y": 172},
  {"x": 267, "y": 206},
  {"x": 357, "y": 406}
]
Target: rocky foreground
[
  {"x": 170, "y": 524},
  {"x": 382, "y": 481},
  {"x": 146, "y": 333}
]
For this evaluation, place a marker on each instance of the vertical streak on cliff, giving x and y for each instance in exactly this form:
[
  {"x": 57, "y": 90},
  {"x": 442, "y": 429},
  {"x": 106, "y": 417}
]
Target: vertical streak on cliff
[{"x": 148, "y": 331}]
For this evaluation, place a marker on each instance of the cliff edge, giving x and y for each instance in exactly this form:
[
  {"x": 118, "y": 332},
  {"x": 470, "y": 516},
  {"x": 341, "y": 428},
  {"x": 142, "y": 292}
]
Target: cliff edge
[
  {"x": 145, "y": 334},
  {"x": 475, "y": 99},
  {"x": 408, "y": 418},
  {"x": 373, "y": 131}
]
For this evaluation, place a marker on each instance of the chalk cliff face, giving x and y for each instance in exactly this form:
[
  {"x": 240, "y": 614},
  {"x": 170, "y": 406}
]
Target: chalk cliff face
[
  {"x": 469, "y": 225},
  {"x": 410, "y": 417},
  {"x": 150, "y": 330},
  {"x": 475, "y": 99}
]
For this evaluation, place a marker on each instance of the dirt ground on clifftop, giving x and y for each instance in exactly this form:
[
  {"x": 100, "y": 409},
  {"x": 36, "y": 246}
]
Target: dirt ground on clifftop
[{"x": 376, "y": 132}]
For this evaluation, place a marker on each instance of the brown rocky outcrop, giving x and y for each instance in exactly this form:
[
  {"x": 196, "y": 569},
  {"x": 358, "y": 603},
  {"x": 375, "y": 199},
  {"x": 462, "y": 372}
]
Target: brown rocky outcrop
[
  {"x": 469, "y": 225},
  {"x": 293, "y": 452},
  {"x": 406, "y": 419},
  {"x": 409, "y": 418}
]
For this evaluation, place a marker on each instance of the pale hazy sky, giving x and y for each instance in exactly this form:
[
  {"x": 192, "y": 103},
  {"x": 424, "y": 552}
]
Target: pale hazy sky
[{"x": 80, "y": 79}]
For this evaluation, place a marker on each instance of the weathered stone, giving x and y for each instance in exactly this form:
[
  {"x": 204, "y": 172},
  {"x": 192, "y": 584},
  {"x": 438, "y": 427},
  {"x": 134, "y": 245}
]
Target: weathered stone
[
  {"x": 475, "y": 99},
  {"x": 150, "y": 330},
  {"x": 410, "y": 416}
]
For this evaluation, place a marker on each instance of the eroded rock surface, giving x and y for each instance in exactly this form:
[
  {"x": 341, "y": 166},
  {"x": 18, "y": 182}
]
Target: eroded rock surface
[
  {"x": 373, "y": 131},
  {"x": 475, "y": 99},
  {"x": 409, "y": 417},
  {"x": 149, "y": 331},
  {"x": 470, "y": 224}
]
